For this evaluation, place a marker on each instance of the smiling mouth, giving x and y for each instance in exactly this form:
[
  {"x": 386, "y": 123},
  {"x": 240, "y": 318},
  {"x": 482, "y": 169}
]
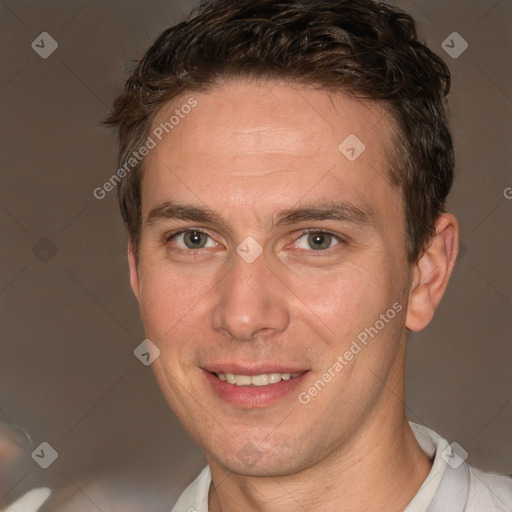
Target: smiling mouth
[{"x": 264, "y": 379}]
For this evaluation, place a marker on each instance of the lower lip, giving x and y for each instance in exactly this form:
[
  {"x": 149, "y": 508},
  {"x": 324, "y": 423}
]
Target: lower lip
[{"x": 253, "y": 396}]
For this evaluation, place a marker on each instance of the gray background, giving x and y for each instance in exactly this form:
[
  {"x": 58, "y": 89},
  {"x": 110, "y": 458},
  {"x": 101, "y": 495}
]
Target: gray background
[{"x": 70, "y": 324}]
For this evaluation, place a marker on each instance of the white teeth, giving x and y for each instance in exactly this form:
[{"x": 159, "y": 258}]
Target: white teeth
[
  {"x": 256, "y": 380},
  {"x": 242, "y": 380},
  {"x": 260, "y": 380},
  {"x": 274, "y": 377}
]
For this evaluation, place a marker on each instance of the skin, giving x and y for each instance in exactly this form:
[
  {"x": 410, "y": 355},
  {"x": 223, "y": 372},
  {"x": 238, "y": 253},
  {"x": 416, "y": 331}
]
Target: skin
[{"x": 247, "y": 151}]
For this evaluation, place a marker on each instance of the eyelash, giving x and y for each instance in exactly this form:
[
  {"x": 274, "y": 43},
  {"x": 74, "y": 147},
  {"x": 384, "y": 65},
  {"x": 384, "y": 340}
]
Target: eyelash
[{"x": 307, "y": 231}]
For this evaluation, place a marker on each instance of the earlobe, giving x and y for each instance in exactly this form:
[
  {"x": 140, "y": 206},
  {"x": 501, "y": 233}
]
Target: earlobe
[
  {"x": 134, "y": 273},
  {"x": 432, "y": 273}
]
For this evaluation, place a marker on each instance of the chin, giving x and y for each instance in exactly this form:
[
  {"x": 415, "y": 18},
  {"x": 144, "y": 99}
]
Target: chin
[{"x": 249, "y": 460}]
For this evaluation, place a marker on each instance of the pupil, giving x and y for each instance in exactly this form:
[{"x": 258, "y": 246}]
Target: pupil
[
  {"x": 320, "y": 241},
  {"x": 194, "y": 239}
]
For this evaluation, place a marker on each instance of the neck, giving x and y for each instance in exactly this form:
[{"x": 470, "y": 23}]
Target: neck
[{"x": 382, "y": 469}]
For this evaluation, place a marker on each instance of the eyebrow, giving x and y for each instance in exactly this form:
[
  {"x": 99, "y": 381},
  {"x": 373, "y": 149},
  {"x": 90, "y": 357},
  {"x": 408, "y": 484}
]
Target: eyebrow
[
  {"x": 340, "y": 211},
  {"x": 170, "y": 210}
]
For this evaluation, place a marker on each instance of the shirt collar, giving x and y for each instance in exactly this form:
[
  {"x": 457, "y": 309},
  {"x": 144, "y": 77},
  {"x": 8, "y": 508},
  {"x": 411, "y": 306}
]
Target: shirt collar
[{"x": 446, "y": 487}]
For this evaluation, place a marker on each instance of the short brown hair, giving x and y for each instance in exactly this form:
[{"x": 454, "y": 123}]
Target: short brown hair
[{"x": 363, "y": 48}]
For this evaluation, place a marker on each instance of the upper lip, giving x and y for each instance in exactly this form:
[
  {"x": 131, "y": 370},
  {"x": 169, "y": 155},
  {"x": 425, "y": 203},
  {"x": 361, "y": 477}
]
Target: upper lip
[{"x": 252, "y": 369}]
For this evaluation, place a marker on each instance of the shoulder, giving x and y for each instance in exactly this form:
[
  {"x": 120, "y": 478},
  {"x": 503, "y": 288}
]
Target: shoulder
[{"x": 488, "y": 490}]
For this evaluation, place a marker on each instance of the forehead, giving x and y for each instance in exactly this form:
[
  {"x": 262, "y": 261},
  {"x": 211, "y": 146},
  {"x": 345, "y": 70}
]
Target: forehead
[{"x": 247, "y": 137}]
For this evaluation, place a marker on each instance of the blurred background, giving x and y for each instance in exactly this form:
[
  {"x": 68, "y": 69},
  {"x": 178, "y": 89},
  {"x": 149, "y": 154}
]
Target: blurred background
[{"x": 69, "y": 322}]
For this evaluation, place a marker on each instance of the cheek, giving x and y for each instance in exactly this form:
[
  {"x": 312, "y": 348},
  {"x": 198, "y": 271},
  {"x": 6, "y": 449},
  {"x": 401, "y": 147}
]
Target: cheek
[
  {"x": 348, "y": 299},
  {"x": 169, "y": 302}
]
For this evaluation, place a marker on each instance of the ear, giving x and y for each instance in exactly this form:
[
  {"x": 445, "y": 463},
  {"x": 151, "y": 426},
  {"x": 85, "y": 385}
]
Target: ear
[
  {"x": 134, "y": 272},
  {"x": 432, "y": 272}
]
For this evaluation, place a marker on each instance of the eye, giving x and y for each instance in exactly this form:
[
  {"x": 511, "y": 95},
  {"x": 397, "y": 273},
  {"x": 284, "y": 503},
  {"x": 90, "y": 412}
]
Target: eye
[
  {"x": 317, "y": 240},
  {"x": 191, "y": 239}
]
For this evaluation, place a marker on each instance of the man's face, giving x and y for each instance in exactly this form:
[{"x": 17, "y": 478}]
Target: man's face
[{"x": 252, "y": 154}]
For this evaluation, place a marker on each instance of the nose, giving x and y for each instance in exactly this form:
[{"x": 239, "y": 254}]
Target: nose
[{"x": 251, "y": 301}]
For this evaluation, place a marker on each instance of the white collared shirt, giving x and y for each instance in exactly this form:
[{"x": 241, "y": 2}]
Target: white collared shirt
[{"x": 451, "y": 486}]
